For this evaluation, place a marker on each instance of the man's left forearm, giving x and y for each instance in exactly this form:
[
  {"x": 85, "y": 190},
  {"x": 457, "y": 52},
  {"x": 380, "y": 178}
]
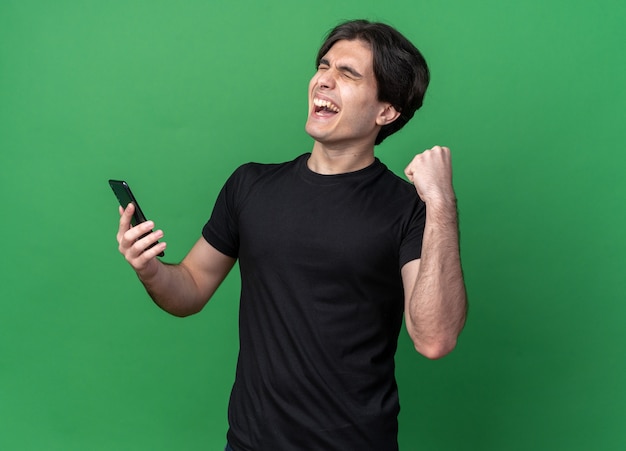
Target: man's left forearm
[{"x": 437, "y": 305}]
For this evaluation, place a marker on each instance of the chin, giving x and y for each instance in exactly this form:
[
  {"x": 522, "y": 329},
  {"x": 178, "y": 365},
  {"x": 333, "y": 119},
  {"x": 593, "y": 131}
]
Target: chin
[
  {"x": 311, "y": 131},
  {"x": 318, "y": 130}
]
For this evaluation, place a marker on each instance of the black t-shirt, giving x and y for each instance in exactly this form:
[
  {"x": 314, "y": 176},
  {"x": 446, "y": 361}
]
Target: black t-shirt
[{"x": 321, "y": 303}]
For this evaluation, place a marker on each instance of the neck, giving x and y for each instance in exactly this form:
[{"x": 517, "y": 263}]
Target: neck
[{"x": 327, "y": 161}]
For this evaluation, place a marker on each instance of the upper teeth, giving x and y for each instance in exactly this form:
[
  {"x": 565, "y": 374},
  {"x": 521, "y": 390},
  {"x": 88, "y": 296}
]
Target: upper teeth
[{"x": 326, "y": 104}]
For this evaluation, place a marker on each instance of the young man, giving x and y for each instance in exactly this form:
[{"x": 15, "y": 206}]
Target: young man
[{"x": 333, "y": 249}]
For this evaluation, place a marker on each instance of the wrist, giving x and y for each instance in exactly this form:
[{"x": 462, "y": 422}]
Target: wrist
[
  {"x": 441, "y": 200},
  {"x": 441, "y": 209},
  {"x": 148, "y": 273}
]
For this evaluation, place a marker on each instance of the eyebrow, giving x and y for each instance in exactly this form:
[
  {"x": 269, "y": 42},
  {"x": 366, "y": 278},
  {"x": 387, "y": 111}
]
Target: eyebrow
[{"x": 343, "y": 68}]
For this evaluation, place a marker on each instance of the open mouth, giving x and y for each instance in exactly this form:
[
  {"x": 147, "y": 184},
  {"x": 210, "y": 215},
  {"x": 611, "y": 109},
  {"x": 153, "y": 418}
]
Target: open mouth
[{"x": 325, "y": 107}]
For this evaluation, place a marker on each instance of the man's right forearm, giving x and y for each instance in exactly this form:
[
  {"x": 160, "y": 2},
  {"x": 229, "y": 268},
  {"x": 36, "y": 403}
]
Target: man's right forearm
[
  {"x": 181, "y": 289},
  {"x": 173, "y": 289},
  {"x": 185, "y": 288}
]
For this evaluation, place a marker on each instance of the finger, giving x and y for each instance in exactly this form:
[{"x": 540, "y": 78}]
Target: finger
[
  {"x": 139, "y": 258},
  {"x": 127, "y": 238},
  {"x": 126, "y": 216},
  {"x": 148, "y": 239},
  {"x": 146, "y": 246},
  {"x": 444, "y": 152},
  {"x": 146, "y": 257},
  {"x": 124, "y": 225},
  {"x": 413, "y": 167},
  {"x": 144, "y": 243},
  {"x": 408, "y": 171},
  {"x": 136, "y": 240},
  {"x": 153, "y": 251},
  {"x": 139, "y": 231}
]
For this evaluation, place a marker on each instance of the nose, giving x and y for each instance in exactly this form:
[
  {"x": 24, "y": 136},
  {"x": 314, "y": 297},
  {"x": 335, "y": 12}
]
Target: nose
[{"x": 326, "y": 79}]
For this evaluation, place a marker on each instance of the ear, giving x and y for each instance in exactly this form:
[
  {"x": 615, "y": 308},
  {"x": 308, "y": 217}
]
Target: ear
[{"x": 387, "y": 116}]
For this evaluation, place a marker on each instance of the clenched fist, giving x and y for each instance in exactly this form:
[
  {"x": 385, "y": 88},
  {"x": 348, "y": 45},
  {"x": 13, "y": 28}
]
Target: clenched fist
[{"x": 431, "y": 173}]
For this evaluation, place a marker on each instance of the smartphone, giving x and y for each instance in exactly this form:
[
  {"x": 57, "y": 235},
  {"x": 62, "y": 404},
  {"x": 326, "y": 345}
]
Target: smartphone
[{"x": 125, "y": 196}]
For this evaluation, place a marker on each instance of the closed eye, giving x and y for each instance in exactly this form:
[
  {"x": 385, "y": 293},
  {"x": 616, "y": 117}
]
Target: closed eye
[
  {"x": 323, "y": 64},
  {"x": 346, "y": 70}
]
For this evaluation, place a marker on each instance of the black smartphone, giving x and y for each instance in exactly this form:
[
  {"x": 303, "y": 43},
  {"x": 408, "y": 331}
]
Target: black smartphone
[{"x": 125, "y": 196}]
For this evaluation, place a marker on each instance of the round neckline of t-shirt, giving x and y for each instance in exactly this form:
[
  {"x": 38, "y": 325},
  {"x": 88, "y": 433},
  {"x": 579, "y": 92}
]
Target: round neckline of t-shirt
[{"x": 332, "y": 179}]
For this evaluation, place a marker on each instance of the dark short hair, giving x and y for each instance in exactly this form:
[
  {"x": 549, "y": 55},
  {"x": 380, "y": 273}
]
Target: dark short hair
[{"x": 401, "y": 71}]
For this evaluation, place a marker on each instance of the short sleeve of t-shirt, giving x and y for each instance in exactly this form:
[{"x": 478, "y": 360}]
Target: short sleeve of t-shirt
[
  {"x": 221, "y": 231},
  {"x": 411, "y": 245}
]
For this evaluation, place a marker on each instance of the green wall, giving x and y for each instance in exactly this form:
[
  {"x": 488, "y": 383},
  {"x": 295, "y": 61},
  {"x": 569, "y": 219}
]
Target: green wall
[{"x": 172, "y": 96}]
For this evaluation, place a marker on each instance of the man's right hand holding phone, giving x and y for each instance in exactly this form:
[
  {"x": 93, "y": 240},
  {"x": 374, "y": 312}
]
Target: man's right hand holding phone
[{"x": 134, "y": 243}]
